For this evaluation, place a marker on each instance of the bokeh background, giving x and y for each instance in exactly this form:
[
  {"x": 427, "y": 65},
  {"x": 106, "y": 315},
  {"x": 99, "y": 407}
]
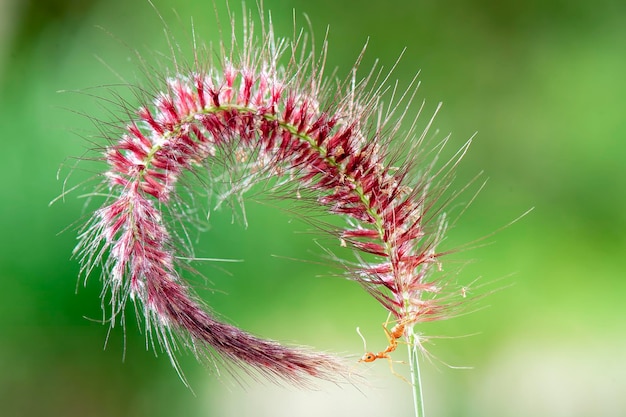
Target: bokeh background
[{"x": 541, "y": 81}]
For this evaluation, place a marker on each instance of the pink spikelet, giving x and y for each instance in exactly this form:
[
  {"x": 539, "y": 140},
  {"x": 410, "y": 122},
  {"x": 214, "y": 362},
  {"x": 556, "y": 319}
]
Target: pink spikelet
[{"x": 336, "y": 146}]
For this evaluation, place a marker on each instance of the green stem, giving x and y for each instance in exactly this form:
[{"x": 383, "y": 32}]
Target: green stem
[{"x": 416, "y": 378}]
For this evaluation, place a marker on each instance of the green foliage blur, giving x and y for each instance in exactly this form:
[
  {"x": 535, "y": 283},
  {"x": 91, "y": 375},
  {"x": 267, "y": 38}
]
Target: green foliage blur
[{"x": 543, "y": 84}]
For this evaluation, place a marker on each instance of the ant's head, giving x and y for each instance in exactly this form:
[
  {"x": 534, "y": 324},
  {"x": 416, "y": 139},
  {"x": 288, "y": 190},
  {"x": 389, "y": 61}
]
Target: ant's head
[{"x": 368, "y": 357}]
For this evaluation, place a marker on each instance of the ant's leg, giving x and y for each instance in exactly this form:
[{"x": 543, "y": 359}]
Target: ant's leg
[
  {"x": 386, "y": 323},
  {"x": 390, "y": 338},
  {"x": 394, "y": 372}
]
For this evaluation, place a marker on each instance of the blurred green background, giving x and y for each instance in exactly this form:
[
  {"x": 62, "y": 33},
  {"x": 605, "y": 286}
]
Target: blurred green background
[{"x": 543, "y": 83}]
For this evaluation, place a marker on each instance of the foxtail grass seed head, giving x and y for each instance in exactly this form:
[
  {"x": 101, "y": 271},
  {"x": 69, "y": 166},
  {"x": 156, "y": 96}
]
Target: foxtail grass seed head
[{"x": 263, "y": 111}]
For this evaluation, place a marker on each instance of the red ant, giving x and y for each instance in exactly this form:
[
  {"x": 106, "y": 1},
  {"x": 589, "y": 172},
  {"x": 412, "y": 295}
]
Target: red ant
[{"x": 393, "y": 335}]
